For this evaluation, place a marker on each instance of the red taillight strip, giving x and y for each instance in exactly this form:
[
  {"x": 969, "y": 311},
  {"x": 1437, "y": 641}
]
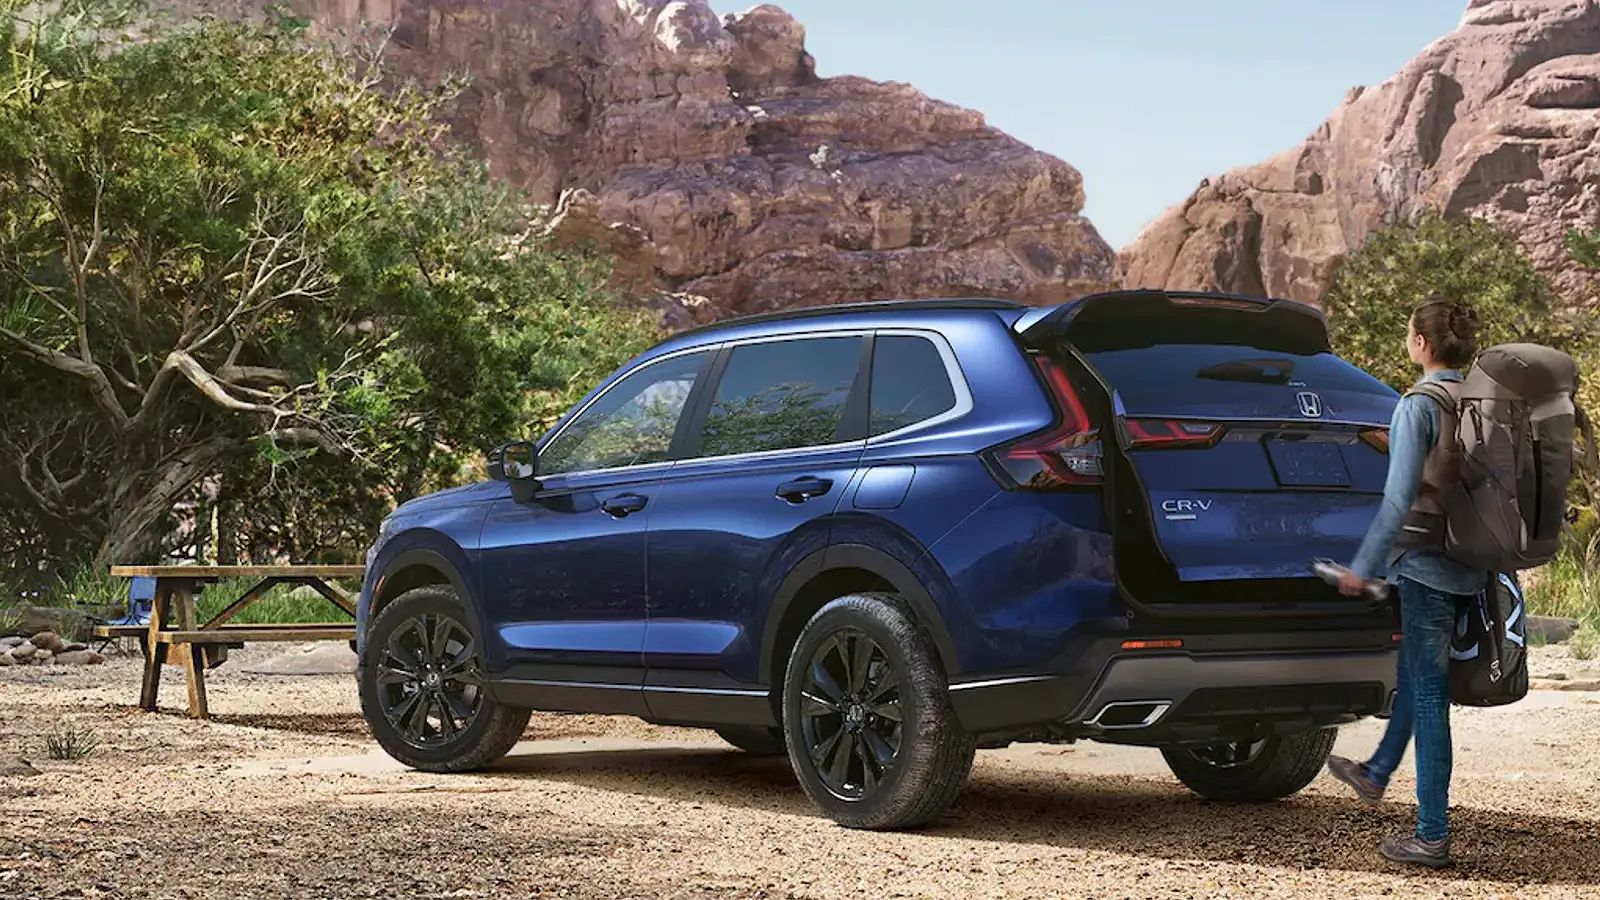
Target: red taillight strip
[{"x": 1158, "y": 434}]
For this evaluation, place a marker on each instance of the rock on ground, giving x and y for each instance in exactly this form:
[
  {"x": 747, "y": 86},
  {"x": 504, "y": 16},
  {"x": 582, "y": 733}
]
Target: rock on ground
[
  {"x": 324, "y": 658},
  {"x": 716, "y": 163},
  {"x": 1497, "y": 119}
]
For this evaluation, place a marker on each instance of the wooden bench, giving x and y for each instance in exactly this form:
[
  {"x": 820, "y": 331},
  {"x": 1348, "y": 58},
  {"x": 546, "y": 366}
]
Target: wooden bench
[{"x": 173, "y": 628}]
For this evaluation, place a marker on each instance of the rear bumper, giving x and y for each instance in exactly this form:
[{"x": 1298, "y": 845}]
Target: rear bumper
[{"x": 1162, "y": 698}]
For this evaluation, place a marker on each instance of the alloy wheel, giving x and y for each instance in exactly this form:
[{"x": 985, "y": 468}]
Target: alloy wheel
[
  {"x": 850, "y": 713},
  {"x": 430, "y": 687}
]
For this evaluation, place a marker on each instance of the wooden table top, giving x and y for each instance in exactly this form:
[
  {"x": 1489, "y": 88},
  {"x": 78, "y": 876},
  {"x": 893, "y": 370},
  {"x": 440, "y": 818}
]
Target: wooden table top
[{"x": 313, "y": 571}]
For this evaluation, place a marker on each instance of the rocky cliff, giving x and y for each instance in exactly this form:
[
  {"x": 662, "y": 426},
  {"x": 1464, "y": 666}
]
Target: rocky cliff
[
  {"x": 713, "y": 159},
  {"x": 1498, "y": 119}
]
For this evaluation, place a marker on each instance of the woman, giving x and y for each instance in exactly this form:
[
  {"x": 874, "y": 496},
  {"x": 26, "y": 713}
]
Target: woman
[{"x": 1441, "y": 339}]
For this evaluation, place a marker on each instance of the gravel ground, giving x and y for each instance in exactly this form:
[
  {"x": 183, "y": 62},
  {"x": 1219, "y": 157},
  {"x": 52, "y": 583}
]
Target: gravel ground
[{"x": 283, "y": 794}]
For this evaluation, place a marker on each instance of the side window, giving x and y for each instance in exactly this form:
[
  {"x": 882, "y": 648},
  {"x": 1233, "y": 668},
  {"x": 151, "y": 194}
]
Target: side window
[
  {"x": 781, "y": 394},
  {"x": 631, "y": 424},
  {"x": 910, "y": 383}
]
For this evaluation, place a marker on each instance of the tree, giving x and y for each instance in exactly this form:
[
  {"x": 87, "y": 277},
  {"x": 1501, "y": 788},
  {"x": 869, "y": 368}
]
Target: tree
[
  {"x": 1470, "y": 260},
  {"x": 1474, "y": 261},
  {"x": 225, "y": 252}
]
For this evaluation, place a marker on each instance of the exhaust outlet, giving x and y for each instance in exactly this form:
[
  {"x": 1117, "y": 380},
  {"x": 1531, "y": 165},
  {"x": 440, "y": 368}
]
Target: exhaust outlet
[{"x": 1129, "y": 714}]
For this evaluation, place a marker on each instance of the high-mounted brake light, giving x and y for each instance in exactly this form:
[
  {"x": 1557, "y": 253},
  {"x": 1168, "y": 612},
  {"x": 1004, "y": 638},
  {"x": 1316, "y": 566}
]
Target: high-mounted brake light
[
  {"x": 1067, "y": 455},
  {"x": 1171, "y": 434},
  {"x": 1377, "y": 439}
]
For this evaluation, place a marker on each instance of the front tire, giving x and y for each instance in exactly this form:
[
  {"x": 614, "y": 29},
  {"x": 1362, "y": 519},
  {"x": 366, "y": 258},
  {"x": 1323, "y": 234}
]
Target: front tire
[
  {"x": 867, "y": 716},
  {"x": 1252, "y": 771},
  {"x": 423, "y": 690}
]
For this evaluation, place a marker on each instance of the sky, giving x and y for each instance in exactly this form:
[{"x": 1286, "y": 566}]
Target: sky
[{"x": 1144, "y": 97}]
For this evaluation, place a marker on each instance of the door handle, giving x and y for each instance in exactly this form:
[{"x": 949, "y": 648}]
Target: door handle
[
  {"x": 622, "y": 505},
  {"x": 802, "y": 489}
]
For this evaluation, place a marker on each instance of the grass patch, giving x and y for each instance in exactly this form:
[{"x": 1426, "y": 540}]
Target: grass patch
[
  {"x": 1570, "y": 587},
  {"x": 71, "y": 744},
  {"x": 1585, "y": 644},
  {"x": 283, "y": 604}
]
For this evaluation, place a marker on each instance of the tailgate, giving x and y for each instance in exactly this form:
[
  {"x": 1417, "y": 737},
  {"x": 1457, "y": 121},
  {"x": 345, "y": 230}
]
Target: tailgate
[{"x": 1253, "y": 448}]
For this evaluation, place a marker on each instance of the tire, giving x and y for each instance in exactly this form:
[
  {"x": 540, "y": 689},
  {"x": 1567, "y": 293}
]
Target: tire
[
  {"x": 755, "y": 741},
  {"x": 1272, "y": 769},
  {"x": 407, "y": 712},
  {"x": 929, "y": 754}
]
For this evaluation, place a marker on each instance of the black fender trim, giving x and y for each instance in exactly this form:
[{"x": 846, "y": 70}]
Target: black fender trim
[
  {"x": 870, "y": 559},
  {"x": 419, "y": 557},
  {"x": 433, "y": 559}
]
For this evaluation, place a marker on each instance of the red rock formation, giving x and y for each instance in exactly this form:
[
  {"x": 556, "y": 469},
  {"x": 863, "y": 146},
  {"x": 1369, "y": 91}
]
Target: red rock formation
[
  {"x": 729, "y": 168},
  {"x": 1498, "y": 119}
]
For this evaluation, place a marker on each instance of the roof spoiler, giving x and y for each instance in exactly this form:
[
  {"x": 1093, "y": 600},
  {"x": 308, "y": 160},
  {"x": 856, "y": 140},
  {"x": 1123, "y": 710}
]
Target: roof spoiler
[{"x": 1125, "y": 320}]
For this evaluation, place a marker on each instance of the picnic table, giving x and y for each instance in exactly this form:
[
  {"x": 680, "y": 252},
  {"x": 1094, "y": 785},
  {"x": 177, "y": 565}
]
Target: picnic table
[{"x": 173, "y": 629}]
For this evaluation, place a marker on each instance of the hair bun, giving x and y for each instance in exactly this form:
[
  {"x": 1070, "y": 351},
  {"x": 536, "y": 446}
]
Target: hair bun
[{"x": 1463, "y": 322}]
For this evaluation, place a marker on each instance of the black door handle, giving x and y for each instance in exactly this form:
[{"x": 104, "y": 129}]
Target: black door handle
[
  {"x": 802, "y": 489},
  {"x": 623, "y": 504}
]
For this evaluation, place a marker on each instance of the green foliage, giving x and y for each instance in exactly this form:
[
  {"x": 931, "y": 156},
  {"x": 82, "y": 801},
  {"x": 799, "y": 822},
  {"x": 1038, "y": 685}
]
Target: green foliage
[
  {"x": 1376, "y": 287},
  {"x": 280, "y": 605},
  {"x": 71, "y": 744},
  {"x": 1570, "y": 585},
  {"x": 227, "y": 257},
  {"x": 1585, "y": 643}
]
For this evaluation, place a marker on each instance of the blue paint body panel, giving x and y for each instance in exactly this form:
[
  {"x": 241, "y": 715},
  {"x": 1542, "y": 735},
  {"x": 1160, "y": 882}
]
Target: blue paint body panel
[{"x": 687, "y": 591}]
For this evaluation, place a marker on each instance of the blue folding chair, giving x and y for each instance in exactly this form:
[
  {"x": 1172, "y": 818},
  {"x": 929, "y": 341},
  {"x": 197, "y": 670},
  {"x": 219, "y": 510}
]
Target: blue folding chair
[{"x": 141, "y": 599}]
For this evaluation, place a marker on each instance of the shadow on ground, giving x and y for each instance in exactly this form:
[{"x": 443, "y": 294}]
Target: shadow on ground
[{"x": 1118, "y": 814}]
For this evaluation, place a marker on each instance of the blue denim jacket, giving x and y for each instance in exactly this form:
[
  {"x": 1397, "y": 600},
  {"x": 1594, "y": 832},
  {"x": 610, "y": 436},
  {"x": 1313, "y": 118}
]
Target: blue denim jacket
[{"x": 1412, "y": 432}]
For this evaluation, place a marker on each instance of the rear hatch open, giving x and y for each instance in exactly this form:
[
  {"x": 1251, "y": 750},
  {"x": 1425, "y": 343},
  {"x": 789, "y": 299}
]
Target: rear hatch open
[{"x": 1239, "y": 447}]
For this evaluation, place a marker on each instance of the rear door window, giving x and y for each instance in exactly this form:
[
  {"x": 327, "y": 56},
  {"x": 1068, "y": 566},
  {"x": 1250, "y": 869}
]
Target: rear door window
[
  {"x": 781, "y": 395},
  {"x": 910, "y": 383}
]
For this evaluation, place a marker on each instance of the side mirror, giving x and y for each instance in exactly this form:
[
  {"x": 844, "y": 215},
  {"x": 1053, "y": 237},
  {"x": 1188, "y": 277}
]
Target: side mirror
[{"x": 514, "y": 461}]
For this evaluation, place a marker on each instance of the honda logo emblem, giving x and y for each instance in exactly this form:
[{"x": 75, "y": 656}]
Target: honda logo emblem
[{"x": 1310, "y": 405}]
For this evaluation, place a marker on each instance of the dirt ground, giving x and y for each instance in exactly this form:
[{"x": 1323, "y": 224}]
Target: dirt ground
[{"x": 282, "y": 794}]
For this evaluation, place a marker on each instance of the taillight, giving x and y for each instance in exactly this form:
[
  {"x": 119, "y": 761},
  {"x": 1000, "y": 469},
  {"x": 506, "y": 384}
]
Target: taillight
[
  {"x": 1068, "y": 455},
  {"x": 1171, "y": 434},
  {"x": 1377, "y": 439}
]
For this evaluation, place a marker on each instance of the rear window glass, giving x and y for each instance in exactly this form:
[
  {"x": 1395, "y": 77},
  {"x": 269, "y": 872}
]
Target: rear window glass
[
  {"x": 1148, "y": 375},
  {"x": 780, "y": 395},
  {"x": 910, "y": 383}
]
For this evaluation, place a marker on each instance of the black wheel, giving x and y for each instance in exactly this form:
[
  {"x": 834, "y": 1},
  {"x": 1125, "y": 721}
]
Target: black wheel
[
  {"x": 1267, "y": 769},
  {"x": 867, "y": 717},
  {"x": 422, "y": 686},
  {"x": 755, "y": 741}
]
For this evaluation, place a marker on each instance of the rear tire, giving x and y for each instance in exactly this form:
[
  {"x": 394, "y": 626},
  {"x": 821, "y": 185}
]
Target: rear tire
[
  {"x": 867, "y": 716},
  {"x": 755, "y": 741},
  {"x": 423, "y": 690},
  {"x": 1252, "y": 771}
]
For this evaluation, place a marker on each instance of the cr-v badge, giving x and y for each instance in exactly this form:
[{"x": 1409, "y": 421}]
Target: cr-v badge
[
  {"x": 1310, "y": 405},
  {"x": 1184, "y": 510}
]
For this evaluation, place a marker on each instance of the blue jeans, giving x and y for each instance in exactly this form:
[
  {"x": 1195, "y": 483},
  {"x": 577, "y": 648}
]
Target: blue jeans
[{"x": 1427, "y": 619}]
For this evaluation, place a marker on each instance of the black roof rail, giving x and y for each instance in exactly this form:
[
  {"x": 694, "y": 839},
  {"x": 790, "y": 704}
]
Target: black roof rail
[{"x": 808, "y": 312}]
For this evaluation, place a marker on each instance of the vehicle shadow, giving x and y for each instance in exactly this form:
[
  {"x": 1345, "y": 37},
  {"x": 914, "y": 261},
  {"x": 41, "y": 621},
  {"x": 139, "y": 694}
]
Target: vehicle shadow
[{"x": 1120, "y": 814}]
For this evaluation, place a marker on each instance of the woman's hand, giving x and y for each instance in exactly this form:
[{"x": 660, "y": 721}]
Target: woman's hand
[{"x": 1351, "y": 584}]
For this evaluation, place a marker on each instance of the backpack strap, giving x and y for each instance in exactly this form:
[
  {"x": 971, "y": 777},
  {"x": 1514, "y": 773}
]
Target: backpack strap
[{"x": 1437, "y": 392}]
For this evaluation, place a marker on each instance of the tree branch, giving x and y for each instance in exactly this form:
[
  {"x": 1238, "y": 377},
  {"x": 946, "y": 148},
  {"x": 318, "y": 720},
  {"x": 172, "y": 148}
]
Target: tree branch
[{"x": 105, "y": 396}]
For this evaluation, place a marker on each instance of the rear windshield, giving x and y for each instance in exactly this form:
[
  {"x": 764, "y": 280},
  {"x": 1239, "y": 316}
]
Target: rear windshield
[{"x": 1146, "y": 376}]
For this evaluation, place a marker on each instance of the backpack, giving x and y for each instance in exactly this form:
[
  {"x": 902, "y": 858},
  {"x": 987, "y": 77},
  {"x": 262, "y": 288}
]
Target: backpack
[
  {"x": 1507, "y": 467},
  {"x": 1489, "y": 656}
]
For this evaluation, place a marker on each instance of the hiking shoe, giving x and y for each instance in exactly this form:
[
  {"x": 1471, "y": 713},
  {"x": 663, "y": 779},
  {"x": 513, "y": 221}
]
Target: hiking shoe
[
  {"x": 1415, "y": 851},
  {"x": 1355, "y": 775}
]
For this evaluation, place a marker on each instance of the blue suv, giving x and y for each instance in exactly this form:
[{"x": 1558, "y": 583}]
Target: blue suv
[{"x": 877, "y": 537}]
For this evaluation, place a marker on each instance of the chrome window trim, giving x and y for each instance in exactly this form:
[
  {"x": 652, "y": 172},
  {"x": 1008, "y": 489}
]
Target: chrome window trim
[
  {"x": 665, "y": 357},
  {"x": 958, "y": 383}
]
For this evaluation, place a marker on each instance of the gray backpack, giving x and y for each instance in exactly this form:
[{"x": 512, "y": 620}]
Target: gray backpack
[{"x": 1496, "y": 496}]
